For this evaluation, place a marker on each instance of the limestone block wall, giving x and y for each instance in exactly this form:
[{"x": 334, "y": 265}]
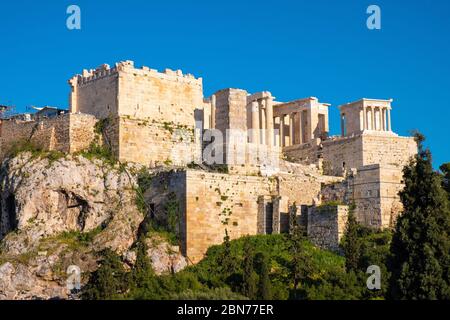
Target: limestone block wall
[
  {"x": 67, "y": 133},
  {"x": 95, "y": 93},
  {"x": 81, "y": 132},
  {"x": 391, "y": 183},
  {"x": 326, "y": 226},
  {"x": 215, "y": 202},
  {"x": 344, "y": 153},
  {"x": 300, "y": 189},
  {"x": 231, "y": 110},
  {"x": 153, "y": 143},
  {"x": 137, "y": 92},
  {"x": 376, "y": 195},
  {"x": 301, "y": 153},
  {"x": 387, "y": 150},
  {"x": 163, "y": 96},
  {"x": 341, "y": 191}
]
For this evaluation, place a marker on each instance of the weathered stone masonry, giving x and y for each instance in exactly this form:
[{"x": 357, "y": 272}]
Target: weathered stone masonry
[{"x": 159, "y": 119}]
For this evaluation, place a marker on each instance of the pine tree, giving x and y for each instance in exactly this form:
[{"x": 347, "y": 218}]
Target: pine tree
[
  {"x": 351, "y": 244},
  {"x": 264, "y": 285},
  {"x": 421, "y": 246},
  {"x": 249, "y": 277},
  {"x": 108, "y": 281}
]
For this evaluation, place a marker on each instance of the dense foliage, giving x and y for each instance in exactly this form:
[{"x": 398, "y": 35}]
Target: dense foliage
[
  {"x": 421, "y": 246},
  {"x": 261, "y": 267}
]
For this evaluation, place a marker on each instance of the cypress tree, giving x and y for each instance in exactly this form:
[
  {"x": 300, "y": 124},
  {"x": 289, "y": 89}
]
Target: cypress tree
[
  {"x": 228, "y": 262},
  {"x": 420, "y": 246},
  {"x": 301, "y": 265},
  {"x": 351, "y": 244},
  {"x": 249, "y": 277},
  {"x": 264, "y": 285}
]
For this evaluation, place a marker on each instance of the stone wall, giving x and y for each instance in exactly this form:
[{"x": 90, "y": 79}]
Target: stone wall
[
  {"x": 340, "y": 154},
  {"x": 376, "y": 195},
  {"x": 163, "y": 96},
  {"x": 153, "y": 144},
  {"x": 326, "y": 225},
  {"x": 374, "y": 190},
  {"x": 67, "y": 133},
  {"x": 215, "y": 202},
  {"x": 139, "y": 93},
  {"x": 387, "y": 150},
  {"x": 95, "y": 93}
]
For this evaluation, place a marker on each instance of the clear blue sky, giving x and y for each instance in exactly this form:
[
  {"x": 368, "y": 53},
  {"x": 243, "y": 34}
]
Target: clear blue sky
[{"x": 292, "y": 48}]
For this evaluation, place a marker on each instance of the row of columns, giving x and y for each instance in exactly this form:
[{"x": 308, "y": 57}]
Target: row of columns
[
  {"x": 376, "y": 118},
  {"x": 290, "y": 120},
  {"x": 262, "y": 121}
]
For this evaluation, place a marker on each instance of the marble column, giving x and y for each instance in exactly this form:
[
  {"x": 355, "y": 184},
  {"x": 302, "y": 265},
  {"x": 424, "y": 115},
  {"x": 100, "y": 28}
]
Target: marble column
[
  {"x": 364, "y": 119},
  {"x": 291, "y": 129},
  {"x": 262, "y": 111},
  {"x": 389, "y": 120},
  {"x": 282, "y": 131},
  {"x": 373, "y": 117},
  {"x": 300, "y": 128},
  {"x": 255, "y": 122},
  {"x": 269, "y": 121}
]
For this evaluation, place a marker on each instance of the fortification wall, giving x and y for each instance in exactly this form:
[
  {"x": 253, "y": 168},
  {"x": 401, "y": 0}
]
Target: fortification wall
[
  {"x": 152, "y": 143},
  {"x": 81, "y": 132},
  {"x": 96, "y": 93},
  {"x": 326, "y": 226},
  {"x": 387, "y": 150},
  {"x": 66, "y": 133},
  {"x": 215, "y": 202},
  {"x": 162, "y": 96},
  {"x": 374, "y": 190},
  {"x": 376, "y": 195},
  {"x": 299, "y": 189},
  {"x": 341, "y": 154},
  {"x": 138, "y": 93}
]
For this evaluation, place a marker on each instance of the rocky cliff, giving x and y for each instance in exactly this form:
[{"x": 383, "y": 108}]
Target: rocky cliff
[{"x": 57, "y": 212}]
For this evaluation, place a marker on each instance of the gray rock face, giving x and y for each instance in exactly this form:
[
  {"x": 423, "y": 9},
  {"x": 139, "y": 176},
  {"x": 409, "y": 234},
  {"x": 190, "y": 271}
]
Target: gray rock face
[{"x": 43, "y": 202}]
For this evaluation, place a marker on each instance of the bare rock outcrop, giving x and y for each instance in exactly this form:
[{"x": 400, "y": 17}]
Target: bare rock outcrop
[{"x": 55, "y": 213}]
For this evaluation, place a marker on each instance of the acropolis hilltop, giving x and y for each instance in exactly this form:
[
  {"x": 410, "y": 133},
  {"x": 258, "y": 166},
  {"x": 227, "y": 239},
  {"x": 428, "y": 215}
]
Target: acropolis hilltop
[{"x": 236, "y": 160}]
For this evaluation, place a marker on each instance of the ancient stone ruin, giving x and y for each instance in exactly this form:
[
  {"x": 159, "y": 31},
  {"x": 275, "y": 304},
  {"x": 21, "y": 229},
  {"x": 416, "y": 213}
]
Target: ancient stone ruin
[{"x": 235, "y": 161}]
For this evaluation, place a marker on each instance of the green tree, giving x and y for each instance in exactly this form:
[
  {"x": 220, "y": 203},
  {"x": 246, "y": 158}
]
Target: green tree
[
  {"x": 144, "y": 284},
  {"x": 249, "y": 277},
  {"x": 300, "y": 266},
  {"x": 142, "y": 269},
  {"x": 420, "y": 246},
  {"x": 351, "y": 243},
  {"x": 227, "y": 260},
  {"x": 108, "y": 281},
  {"x": 445, "y": 169},
  {"x": 263, "y": 268}
]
